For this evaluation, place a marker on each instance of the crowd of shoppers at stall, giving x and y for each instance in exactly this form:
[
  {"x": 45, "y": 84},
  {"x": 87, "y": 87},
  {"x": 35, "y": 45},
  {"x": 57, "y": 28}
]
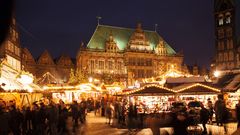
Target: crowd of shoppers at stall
[
  {"x": 127, "y": 114},
  {"x": 50, "y": 118}
]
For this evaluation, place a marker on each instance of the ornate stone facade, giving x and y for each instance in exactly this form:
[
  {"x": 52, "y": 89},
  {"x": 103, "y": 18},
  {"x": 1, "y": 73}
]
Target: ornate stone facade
[
  {"x": 10, "y": 49},
  {"x": 127, "y": 54}
]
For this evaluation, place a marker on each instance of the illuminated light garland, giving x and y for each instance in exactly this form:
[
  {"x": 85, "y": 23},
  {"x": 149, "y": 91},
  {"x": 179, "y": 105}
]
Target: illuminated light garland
[
  {"x": 174, "y": 91},
  {"x": 198, "y": 84},
  {"x": 147, "y": 86}
]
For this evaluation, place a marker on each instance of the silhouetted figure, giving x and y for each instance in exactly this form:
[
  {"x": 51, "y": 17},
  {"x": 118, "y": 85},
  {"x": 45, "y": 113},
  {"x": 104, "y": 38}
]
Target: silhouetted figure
[
  {"x": 238, "y": 113},
  {"x": 219, "y": 108},
  {"x": 204, "y": 117},
  {"x": 75, "y": 114},
  {"x": 180, "y": 123},
  {"x": 4, "y": 119}
]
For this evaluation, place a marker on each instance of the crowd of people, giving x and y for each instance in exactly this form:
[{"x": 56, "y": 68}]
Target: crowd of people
[
  {"x": 127, "y": 114},
  {"x": 50, "y": 118},
  {"x": 41, "y": 118}
]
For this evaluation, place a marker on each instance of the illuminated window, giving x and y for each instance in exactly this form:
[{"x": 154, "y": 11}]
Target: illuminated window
[
  {"x": 92, "y": 65},
  {"x": 220, "y": 21},
  {"x": 228, "y": 18},
  {"x": 110, "y": 64},
  {"x": 101, "y": 64},
  {"x": 14, "y": 63},
  {"x": 119, "y": 65}
]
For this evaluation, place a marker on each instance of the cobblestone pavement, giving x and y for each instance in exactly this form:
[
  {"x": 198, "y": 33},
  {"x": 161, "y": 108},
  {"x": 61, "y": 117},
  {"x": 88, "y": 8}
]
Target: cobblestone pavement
[{"x": 96, "y": 125}]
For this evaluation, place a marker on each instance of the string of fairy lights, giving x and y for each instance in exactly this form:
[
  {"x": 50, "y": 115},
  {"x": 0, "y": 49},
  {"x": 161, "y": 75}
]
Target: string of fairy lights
[{"x": 175, "y": 91}]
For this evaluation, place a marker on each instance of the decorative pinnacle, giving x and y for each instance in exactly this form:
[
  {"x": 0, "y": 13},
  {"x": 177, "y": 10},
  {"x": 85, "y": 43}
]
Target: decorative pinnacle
[{"x": 98, "y": 19}]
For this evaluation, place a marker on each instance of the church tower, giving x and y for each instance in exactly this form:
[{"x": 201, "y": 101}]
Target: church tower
[{"x": 225, "y": 35}]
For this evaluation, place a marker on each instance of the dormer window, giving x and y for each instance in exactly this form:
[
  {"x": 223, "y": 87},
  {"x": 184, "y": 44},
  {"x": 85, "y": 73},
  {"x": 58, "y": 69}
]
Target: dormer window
[{"x": 111, "y": 45}]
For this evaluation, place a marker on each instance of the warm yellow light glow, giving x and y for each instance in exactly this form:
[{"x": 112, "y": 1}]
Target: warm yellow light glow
[
  {"x": 216, "y": 73},
  {"x": 90, "y": 79},
  {"x": 26, "y": 79}
]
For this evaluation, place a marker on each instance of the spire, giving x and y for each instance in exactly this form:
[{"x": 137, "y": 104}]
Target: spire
[
  {"x": 111, "y": 36},
  {"x": 139, "y": 27},
  {"x": 98, "y": 19},
  {"x": 155, "y": 29}
]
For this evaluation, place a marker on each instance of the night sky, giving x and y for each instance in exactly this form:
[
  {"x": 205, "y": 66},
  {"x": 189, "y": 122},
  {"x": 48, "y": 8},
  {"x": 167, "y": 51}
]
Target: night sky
[{"x": 61, "y": 25}]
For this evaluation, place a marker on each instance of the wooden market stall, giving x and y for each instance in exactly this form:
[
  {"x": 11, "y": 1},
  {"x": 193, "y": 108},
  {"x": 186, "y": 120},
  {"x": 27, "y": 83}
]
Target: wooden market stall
[
  {"x": 196, "y": 91},
  {"x": 151, "y": 98}
]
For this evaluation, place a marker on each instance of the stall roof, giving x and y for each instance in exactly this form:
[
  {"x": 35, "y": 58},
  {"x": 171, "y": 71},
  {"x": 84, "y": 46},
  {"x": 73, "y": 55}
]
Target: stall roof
[
  {"x": 196, "y": 88},
  {"x": 229, "y": 82},
  {"x": 150, "y": 90}
]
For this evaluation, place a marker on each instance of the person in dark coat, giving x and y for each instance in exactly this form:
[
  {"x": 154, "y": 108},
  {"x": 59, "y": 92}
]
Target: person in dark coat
[
  {"x": 52, "y": 116},
  {"x": 238, "y": 113},
  {"x": 180, "y": 123},
  {"x": 42, "y": 118},
  {"x": 34, "y": 118},
  {"x": 210, "y": 109},
  {"x": 219, "y": 108},
  {"x": 4, "y": 119},
  {"x": 15, "y": 120},
  {"x": 204, "y": 117},
  {"x": 75, "y": 114},
  {"x": 63, "y": 115},
  {"x": 103, "y": 106}
]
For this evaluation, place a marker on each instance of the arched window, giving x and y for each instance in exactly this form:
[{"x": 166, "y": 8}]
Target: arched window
[
  {"x": 228, "y": 18},
  {"x": 220, "y": 20}
]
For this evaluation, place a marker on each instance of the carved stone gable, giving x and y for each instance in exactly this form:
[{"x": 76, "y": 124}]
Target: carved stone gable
[
  {"x": 138, "y": 40},
  {"x": 161, "y": 48},
  {"x": 111, "y": 45}
]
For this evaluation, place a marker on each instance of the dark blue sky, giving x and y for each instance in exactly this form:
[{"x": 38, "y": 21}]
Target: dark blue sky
[{"x": 60, "y": 25}]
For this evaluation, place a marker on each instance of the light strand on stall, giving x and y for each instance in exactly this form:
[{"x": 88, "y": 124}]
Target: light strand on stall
[{"x": 198, "y": 84}]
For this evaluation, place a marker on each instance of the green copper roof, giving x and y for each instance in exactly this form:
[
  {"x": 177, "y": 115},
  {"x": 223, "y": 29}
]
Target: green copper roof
[{"x": 121, "y": 37}]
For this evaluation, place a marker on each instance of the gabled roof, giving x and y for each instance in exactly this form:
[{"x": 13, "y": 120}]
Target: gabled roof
[
  {"x": 29, "y": 57},
  {"x": 196, "y": 88},
  {"x": 150, "y": 90},
  {"x": 64, "y": 60},
  {"x": 229, "y": 82},
  {"x": 46, "y": 59},
  {"x": 121, "y": 37}
]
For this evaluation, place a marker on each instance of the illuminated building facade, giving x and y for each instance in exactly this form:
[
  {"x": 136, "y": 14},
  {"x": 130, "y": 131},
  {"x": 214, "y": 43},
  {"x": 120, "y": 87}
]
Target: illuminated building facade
[
  {"x": 227, "y": 42},
  {"x": 127, "y": 54},
  {"x": 58, "y": 68},
  {"x": 10, "y": 49}
]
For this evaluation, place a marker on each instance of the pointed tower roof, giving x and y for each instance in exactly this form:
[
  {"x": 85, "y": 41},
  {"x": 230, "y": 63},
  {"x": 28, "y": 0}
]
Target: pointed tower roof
[
  {"x": 64, "y": 60},
  {"x": 46, "y": 58},
  {"x": 28, "y": 56},
  {"x": 222, "y": 5}
]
